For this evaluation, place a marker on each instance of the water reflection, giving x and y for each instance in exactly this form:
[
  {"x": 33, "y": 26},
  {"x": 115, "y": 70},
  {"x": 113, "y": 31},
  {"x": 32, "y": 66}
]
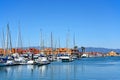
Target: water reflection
[
  {"x": 84, "y": 69},
  {"x": 65, "y": 71},
  {"x": 8, "y": 72},
  {"x": 54, "y": 71},
  {"x": 43, "y": 70}
]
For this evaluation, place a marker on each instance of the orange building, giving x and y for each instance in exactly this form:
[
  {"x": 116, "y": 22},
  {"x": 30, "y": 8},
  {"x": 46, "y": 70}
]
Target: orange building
[
  {"x": 49, "y": 51},
  {"x": 64, "y": 50},
  {"x": 13, "y": 50},
  {"x": 112, "y": 53},
  {"x": 1, "y": 51}
]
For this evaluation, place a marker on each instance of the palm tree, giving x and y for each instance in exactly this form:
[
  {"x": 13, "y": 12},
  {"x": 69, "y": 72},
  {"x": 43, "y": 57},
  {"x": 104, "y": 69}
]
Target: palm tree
[
  {"x": 76, "y": 51},
  {"x": 83, "y": 49},
  {"x": 75, "y": 47}
]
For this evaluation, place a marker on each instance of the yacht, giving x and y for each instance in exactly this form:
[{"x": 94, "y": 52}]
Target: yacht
[
  {"x": 66, "y": 58},
  {"x": 7, "y": 61},
  {"x": 42, "y": 60}
]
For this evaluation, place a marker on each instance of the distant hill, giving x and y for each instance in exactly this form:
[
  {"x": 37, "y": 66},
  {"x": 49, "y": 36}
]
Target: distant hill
[{"x": 103, "y": 50}]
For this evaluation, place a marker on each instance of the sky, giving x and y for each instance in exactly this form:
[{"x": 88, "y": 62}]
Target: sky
[{"x": 95, "y": 23}]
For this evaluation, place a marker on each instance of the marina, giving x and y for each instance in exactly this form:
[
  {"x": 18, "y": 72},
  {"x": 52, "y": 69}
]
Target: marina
[
  {"x": 105, "y": 68},
  {"x": 59, "y": 40},
  {"x": 56, "y": 63}
]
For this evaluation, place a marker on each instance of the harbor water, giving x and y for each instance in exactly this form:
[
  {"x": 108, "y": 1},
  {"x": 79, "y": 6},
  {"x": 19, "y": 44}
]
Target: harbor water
[{"x": 104, "y": 68}]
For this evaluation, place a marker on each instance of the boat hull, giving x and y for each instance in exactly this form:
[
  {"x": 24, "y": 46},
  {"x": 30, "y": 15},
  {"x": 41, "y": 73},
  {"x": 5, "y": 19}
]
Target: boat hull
[
  {"x": 66, "y": 60},
  {"x": 43, "y": 63}
]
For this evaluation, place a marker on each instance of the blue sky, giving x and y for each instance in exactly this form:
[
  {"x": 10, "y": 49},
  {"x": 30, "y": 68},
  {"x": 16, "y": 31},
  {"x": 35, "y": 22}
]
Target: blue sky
[{"x": 95, "y": 23}]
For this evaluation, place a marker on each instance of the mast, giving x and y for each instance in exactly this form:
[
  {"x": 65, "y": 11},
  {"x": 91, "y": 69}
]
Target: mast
[
  {"x": 41, "y": 42},
  {"x": 7, "y": 44},
  {"x": 40, "y": 39},
  {"x": 67, "y": 41},
  {"x": 55, "y": 46},
  {"x": 52, "y": 42},
  {"x": 19, "y": 39},
  {"x": 43, "y": 45},
  {"x": 3, "y": 41},
  {"x": 10, "y": 39},
  {"x": 29, "y": 46},
  {"x": 74, "y": 43},
  {"x": 59, "y": 46},
  {"x": 7, "y": 40},
  {"x": 59, "y": 42}
]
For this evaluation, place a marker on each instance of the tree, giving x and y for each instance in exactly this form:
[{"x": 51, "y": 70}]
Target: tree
[
  {"x": 83, "y": 49},
  {"x": 75, "y": 47}
]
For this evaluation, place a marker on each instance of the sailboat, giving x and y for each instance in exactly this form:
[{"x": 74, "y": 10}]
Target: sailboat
[
  {"x": 42, "y": 58},
  {"x": 17, "y": 58},
  {"x": 7, "y": 60},
  {"x": 67, "y": 57},
  {"x": 51, "y": 56},
  {"x": 59, "y": 55}
]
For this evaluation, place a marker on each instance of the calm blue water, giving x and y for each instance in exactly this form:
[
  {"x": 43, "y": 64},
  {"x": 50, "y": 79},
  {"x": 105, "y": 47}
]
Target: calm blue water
[{"x": 84, "y": 69}]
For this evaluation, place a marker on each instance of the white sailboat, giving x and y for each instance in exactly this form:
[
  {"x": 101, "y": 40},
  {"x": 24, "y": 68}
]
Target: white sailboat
[
  {"x": 67, "y": 57},
  {"x": 7, "y": 60},
  {"x": 17, "y": 57},
  {"x": 42, "y": 58}
]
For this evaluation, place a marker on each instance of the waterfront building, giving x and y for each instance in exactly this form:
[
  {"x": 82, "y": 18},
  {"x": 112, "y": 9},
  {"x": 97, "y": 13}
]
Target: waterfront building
[
  {"x": 112, "y": 53},
  {"x": 64, "y": 50},
  {"x": 1, "y": 51},
  {"x": 92, "y": 54}
]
